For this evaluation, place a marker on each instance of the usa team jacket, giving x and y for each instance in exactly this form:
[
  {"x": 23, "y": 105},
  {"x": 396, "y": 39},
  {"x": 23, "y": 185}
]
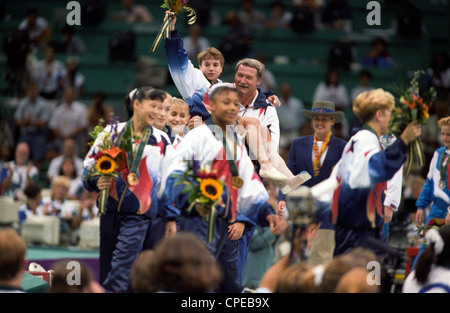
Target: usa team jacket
[
  {"x": 143, "y": 197},
  {"x": 363, "y": 173},
  {"x": 431, "y": 193}
]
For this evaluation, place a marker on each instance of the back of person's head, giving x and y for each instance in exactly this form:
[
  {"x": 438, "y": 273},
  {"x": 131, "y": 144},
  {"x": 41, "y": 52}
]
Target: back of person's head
[
  {"x": 298, "y": 278},
  {"x": 355, "y": 281},
  {"x": 31, "y": 191},
  {"x": 73, "y": 277},
  {"x": 12, "y": 254},
  {"x": 211, "y": 53},
  {"x": 183, "y": 263},
  {"x": 367, "y": 103},
  {"x": 362, "y": 256},
  {"x": 333, "y": 272},
  {"x": 437, "y": 252},
  {"x": 142, "y": 280}
]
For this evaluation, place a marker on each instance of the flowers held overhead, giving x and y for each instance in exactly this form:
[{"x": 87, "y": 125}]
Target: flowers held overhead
[
  {"x": 175, "y": 7},
  {"x": 413, "y": 104}
]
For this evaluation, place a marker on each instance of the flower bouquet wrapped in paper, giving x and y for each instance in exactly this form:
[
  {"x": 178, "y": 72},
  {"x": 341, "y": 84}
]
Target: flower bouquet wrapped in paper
[
  {"x": 205, "y": 191},
  {"x": 110, "y": 160},
  {"x": 175, "y": 7},
  {"x": 413, "y": 104}
]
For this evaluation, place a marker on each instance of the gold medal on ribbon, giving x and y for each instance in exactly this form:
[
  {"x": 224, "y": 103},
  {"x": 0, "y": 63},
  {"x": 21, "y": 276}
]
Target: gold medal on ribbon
[
  {"x": 132, "y": 179},
  {"x": 237, "y": 182},
  {"x": 442, "y": 184}
]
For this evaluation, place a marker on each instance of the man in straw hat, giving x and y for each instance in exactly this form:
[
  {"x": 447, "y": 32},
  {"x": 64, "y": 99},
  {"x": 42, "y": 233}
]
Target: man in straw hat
[
  {"x": 318, "y": 154},
  {"x": 359, "y": 180}
]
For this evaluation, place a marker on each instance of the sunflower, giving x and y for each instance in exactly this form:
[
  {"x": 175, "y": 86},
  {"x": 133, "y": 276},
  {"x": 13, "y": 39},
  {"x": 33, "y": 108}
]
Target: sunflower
[
  {"x": 106, "y": 164},
  {"x": 211, "y": 188}
]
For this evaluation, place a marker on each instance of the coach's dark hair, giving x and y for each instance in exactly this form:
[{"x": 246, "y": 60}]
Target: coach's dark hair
[{"x": 143, "y": 93}]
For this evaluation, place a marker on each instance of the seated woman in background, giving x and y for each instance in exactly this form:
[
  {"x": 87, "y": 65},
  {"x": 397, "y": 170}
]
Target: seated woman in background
[{"x": 76, "y": 185}]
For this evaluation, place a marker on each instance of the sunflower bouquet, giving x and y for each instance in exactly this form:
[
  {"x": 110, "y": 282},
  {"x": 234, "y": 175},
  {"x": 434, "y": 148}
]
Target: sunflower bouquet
[
  {"x": 175, "y": 7},
  {"x": 204, "y": 189},
  {"x": 111, "y": 156},
  {"x": 413, "y": 104}
]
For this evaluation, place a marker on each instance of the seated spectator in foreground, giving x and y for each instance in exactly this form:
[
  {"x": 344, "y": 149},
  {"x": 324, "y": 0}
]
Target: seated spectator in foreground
[
  {"x": 62, "y": 272},
  {"x": 68, "y": 151},
  {"x": 183, "y": 263},
  {"x": 57, "y": 204},
  {"x": 33, "y": 206},
  {"x": 12, "y": 261}
]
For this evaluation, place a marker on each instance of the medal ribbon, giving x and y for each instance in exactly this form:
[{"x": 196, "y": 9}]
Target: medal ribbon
[
  {"x": 135, "y": 158},
  {"x": 231, "y": 158}
]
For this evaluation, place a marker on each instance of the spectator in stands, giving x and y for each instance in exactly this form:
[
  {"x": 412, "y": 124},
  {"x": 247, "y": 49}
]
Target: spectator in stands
[
  {"x": 33, "y": 205},
  {"x": 18, "y": 173},
  {"x": 313, "y": 7},
  {"x": 39, "y": 31},
  {"x": 70, "y": 42},
  {"x": 7, "y": 143},
  {"x": 88, "y": 205},
  {"x": 365, "y": 83},
  {"x": 183, "y": 263},
  {"x": 63, "y": 269},
  {"x": 68, "y": 151},
  {"x": 379, "y": 56},
  {"x": 332, "y": 90},
  {"x": 365, "y": 79},
  {"x": 268, "y": 81},
  {"x": 69, "y": 170},
  {"x": 278, "y": 16},
  {"x": 98, "y": 110},
  {"x": 16, "y": 49},
  {"x": 438, "y": 75},
  {"x": 134, "y": 13},
  {"x": 72, "y": 76},
  {"x": 69, "y": 120},
  {"x": 250, "y": 16},
  {"x": 12, "y": 261},
  {"x": 337, "y": 14},
  {"x": 32, "y": 116},
  {"x": 49, "y": 73},
  {"x": 57, "y": 204},
  {"x": 290, "y": 113},
  {"x": 195, "y": 42},
  {"x": 237, "y": 42}
]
